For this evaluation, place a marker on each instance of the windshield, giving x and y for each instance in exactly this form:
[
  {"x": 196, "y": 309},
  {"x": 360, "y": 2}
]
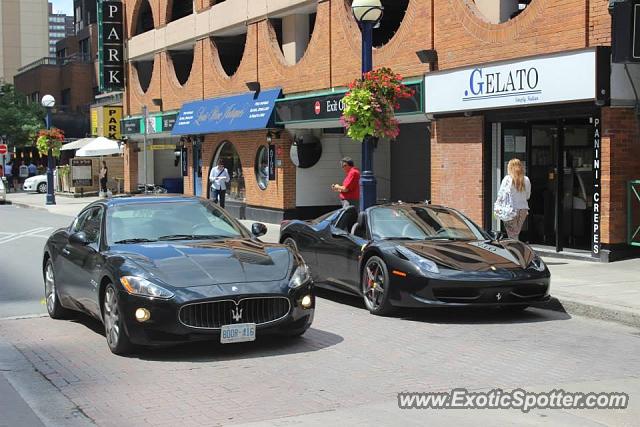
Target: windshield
[
  {"x": 422, "y": 223},
  {"x": 150, "y": 222}
]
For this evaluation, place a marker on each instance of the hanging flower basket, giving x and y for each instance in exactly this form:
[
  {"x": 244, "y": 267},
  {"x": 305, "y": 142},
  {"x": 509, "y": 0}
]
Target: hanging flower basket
[
  {"x": 370, "y": 104},
  {"x": 50, "y": 140}
]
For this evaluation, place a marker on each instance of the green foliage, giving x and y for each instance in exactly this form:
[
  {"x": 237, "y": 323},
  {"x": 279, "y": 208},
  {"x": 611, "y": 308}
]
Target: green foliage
[
  {"x": 370, "y": 104},
  {"x": 19, "y": 120},
  {"x": 50, "y": 140}
]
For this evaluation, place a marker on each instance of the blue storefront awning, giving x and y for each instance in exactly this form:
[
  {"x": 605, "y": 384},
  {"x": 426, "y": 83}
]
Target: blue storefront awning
[{"x": 230, "y": 114}]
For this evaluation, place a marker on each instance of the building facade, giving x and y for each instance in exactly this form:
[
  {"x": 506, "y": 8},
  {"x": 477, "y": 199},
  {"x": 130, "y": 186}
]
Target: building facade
[
  {"x": 23, "y": 35},
  {"x": 60, "y": 26},
  {"x": 495, "y": 79}
]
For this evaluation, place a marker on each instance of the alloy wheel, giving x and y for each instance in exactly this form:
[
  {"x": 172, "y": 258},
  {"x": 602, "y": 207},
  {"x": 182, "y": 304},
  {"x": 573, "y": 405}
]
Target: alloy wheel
[
  {"x": 374, "y": 284},
  {"x": 42, "y": 187},
  {"x": 50, "y": 287},
  {"x": 291, "y": 243},
  {"x": 111, "y": 317}
]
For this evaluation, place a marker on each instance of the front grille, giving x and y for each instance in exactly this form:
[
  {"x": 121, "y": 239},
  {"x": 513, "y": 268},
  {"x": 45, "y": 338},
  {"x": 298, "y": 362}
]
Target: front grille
[{"x": 215, "y": 314}]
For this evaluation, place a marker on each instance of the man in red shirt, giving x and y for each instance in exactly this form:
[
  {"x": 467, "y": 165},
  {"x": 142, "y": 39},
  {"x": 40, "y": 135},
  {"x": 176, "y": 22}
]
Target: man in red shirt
[{"x": 350, "y": 188}]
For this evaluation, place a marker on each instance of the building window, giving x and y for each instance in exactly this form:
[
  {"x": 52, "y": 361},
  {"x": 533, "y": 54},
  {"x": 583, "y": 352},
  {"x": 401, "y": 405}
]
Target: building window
[
  {"x": 231, "y": 160},
  {"x": 65, "y": 102},
  {"x": 144, "y": 21},
  {"x": 179, "y": 9},
  {"x": 498, "y": 11},
  {"x": 293, "y": 33},
  {"x": 262, "y": 167},
  {"x": 144, "y": 70},
  {"x": 182, "y": 61},
  {"x": 230, "y": 51}
]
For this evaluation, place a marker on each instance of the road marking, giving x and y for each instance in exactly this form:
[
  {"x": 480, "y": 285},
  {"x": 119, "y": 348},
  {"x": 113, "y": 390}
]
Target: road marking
[
  {"x": 25, "y": 316},
  {"x": 29, "y": 233}
]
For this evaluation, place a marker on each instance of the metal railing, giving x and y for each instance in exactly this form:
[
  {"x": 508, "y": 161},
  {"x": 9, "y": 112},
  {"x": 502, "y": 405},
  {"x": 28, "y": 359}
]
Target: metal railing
[
  {"x": 633, "y": 213},
  {"x": 52, "y": 60}
]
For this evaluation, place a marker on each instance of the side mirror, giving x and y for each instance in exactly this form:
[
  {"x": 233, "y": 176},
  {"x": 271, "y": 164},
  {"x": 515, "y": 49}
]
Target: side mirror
[
  {"x": 79, "y": 238},
  {"x": 258, "y": 229},
  {"x": 497, "y": 235}
]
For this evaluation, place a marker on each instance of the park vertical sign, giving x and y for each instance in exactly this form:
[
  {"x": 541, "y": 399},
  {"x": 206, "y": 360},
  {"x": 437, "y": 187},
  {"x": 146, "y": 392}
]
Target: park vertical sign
[{"x": 111, "y": 45}]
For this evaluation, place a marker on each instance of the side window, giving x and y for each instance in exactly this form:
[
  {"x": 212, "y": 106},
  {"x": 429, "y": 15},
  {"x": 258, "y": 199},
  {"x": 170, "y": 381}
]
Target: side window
[
  {"x": 79, "y": 221},
  {"x": 347, "y": 219},
  {"x": 91, "y": 225}
]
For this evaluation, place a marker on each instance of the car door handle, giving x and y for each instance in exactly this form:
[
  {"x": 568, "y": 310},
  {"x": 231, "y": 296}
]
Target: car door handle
[{"x": 66, "y": 251}]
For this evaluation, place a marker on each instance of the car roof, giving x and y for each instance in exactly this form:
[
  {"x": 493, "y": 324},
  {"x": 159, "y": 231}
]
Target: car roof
[{"x": 130, "y": 200}]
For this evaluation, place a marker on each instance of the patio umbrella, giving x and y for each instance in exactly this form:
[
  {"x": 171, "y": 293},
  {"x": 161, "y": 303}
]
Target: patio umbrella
[
  {"x": 77, "y": 144},
  {"x": 100, "y": 146}
]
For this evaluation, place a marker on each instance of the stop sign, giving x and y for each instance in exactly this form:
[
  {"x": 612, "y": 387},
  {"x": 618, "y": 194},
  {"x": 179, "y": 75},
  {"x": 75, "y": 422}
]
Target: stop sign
[{"x": 3, "y": 149}]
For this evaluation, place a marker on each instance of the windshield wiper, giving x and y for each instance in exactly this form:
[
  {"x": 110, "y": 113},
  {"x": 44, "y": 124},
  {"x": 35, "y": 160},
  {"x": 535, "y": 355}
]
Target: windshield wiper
[
  {"x": 194, "y": 237},
  {"x": 400, "y": 238},
  {"x": 136, "y": 240}
]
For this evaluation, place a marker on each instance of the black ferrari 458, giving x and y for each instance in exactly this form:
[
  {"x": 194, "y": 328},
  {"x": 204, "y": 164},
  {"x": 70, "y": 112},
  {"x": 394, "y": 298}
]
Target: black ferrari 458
[
  {"x": 158, "y": 270},
  {"x": 415, "y": 255}
]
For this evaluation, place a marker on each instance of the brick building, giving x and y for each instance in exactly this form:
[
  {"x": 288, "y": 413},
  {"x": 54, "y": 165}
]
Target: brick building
[{"x": 576, "y": 110}]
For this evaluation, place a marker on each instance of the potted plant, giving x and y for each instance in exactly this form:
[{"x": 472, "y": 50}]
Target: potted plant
[
  {"x": 370, "y": 104},
  {"x": 63, "y": 175},
  {"x": 51, "y": 139}
]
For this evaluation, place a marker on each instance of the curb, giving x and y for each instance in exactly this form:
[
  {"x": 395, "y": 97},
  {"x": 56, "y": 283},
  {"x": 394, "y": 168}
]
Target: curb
[
  {"x": 26, "y": 206},
  {"x": 600, "y": 311}
]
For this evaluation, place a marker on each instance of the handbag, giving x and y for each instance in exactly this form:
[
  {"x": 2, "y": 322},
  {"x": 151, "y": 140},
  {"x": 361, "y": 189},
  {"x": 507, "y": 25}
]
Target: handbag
[{"x": 503, "y": 207}]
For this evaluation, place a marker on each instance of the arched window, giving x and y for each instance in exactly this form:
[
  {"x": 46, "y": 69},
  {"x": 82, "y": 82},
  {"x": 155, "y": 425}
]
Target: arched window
[
  {"x": 182, "y": 63},
  {"x": 498, "y": 11},
  {"x": 144, "y": 19},
  {"x": 145, "y": 72},
  {"x": 229, "y": 155},
  {"x": 230, "y": 51},
  {"x": 293, "y": 33},
  {"x": 261, "y": 167},
  {"x": 179, "y": 9}
]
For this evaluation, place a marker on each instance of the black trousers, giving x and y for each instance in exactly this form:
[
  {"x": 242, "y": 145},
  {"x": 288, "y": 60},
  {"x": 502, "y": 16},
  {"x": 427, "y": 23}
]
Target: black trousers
[
  {"x": 103, "y": 184},
  {"x": 218, "y": 196}
]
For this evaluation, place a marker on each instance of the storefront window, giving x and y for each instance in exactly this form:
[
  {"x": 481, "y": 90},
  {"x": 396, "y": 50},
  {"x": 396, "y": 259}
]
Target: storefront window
[
  {"x": 262, "y": 167},
  {"x": 231, "y": 160}
]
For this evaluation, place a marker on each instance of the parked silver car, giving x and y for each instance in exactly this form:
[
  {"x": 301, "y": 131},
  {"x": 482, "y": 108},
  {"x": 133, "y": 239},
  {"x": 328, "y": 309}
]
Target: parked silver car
[{"x": 3, "y": 189}]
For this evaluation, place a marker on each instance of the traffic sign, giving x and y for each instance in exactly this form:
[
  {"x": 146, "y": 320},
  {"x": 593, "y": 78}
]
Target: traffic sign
[{"x": 3, "y": 149}]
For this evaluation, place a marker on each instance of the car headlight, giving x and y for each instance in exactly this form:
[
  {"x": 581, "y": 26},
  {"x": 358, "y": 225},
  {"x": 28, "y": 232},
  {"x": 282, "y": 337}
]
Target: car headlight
[
  {"x": 424, "y": 264},
  {"x": 139, "y": 286},
  {"x": 300, "y": 276},
  {"x": 537, "y": 264}
]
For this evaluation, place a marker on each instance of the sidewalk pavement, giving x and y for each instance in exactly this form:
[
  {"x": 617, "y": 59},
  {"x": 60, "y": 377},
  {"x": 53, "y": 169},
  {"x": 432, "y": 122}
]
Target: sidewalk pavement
[{"x": 607, "y": 291}]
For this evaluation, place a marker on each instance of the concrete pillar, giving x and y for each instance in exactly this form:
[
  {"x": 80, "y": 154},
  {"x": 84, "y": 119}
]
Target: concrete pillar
[
  {"x": 496, "y": 11},
  {"x": 295, "y": 37},
  {"x": 130, "y": 168}
]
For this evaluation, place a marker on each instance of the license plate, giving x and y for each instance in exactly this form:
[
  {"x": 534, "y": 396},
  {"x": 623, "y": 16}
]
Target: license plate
[{"x": 241, "y": 332}]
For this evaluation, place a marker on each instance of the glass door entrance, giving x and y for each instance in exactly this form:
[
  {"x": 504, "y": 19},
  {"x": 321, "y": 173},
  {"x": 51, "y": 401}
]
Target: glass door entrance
[{"x": 558, "y": 160}]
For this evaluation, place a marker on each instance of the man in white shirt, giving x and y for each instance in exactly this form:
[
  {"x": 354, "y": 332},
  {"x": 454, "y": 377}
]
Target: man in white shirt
[{"x": 219, "y": 177}]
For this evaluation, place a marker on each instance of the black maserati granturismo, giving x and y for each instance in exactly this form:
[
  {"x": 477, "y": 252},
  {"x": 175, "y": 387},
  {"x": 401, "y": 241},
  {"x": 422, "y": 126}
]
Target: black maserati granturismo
[
  {"x": 416, "y": 255},
  {"x": 161, "y": 270}
]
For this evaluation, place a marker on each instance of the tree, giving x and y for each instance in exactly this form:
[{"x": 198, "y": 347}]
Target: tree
[{"x": 20, "y": 120}]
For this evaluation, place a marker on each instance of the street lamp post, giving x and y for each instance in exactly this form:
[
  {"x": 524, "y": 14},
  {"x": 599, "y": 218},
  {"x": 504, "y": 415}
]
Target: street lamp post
[
  {"x": 368, "y": 13},
  {"x": 48, "y": 102}
]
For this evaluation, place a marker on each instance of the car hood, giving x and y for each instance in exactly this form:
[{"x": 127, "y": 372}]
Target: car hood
[
  {"x": 203, "y": 263},
  {"x": 479, "y": 255}
]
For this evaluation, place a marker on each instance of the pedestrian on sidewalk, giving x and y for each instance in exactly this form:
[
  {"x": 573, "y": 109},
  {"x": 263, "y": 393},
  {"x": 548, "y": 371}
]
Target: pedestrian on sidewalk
[
  {"x": 33, "y": 170},
  {"x": 218, "y": 178},
  {"x": 514, "y": 192},
  {"x": 23, "y": 173},
  {"x": 104, "y": 176},
  {"x": 8, "y": 173},
  {"x": 350, "y": 188}
]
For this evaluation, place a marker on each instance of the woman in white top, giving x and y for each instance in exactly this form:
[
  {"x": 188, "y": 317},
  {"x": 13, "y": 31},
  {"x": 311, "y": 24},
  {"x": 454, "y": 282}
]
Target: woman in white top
[{"x": 519, "y": 186}]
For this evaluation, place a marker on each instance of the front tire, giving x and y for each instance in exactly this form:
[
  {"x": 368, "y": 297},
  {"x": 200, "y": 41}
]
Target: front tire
[
  {"x": 54, "y": 308},
  {"x": 114, "y": 330},
  {"x": 375, "y": 287},
  {"x": 42, "y": 187}
]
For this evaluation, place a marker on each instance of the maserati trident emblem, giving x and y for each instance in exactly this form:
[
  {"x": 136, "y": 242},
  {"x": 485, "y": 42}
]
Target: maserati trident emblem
[
  {"x": 236, "y": 313},
  {"x": 498, "y": 296},
  {"x": 234, "y": 288}
]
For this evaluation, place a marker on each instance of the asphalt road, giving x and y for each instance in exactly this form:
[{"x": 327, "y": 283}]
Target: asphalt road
[
  {"x": 23, "y": 233},
  {"x": 346, "y": 370}
]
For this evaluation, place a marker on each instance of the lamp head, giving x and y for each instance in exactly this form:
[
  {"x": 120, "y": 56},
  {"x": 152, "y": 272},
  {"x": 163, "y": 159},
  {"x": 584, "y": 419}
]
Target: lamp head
[
  {"x": 367, "y": 10},
  {"x": 48, "y": 101}
]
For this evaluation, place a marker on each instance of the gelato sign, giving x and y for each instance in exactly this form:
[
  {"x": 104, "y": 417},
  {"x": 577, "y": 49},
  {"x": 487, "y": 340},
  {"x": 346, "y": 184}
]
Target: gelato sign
[{"x": 567, "y": 77}]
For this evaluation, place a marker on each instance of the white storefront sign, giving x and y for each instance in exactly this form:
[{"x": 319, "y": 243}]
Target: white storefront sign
[{"x": 566, "y": 77}]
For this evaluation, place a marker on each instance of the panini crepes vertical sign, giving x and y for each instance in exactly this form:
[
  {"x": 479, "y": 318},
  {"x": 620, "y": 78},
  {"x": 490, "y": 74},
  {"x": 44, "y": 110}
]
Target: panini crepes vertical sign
[{"x": 111, "y": 45}]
